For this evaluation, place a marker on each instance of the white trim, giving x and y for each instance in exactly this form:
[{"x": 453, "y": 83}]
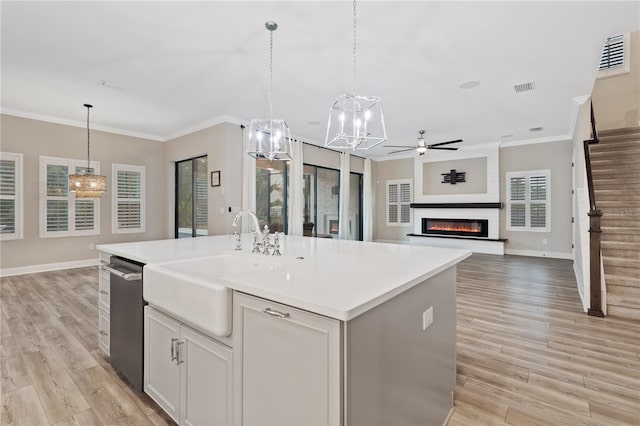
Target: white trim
[
  {"x": 580, "y": 288},
  {"x": 70, "y": 197},
  {"x": 18, "y": 197},
  {"x": 473, "y": 245},
  {"x": 115, "y": 168},
  {"x": 399, "y": 203},
  {"x": 205, "y": 125},
  {"x": 45, "y": 267},
  {"x": 538, "y": 253},
  {"x": 82, "y": 124},
  {"x": 546, "y": 139}
]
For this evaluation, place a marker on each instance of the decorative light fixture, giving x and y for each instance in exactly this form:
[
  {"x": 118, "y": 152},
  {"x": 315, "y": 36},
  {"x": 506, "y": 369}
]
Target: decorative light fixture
[
  {"x": 355, "y": 122},
  {"x": 422, "y": 146},
  {"x": 269, "y": 138},
  {"x": 85, "y": 184}
]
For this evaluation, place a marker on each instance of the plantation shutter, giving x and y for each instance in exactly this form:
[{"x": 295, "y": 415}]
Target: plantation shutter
[
  {"x": 528, "y": 200},
  {"x": 517, "y": 198},
  {"x": 613, "y": 53},
  {"x": 10, "y": 196},
  {"x": 538, "y": 201},
  {"x": 399, "y": 195},
  {"x": 85, "y": 208},
  {"x": 57, "y": 198},
  {"x": 129, "y": 199}
]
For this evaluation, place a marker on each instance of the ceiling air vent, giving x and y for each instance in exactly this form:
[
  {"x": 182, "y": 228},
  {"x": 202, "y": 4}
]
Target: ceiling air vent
[
  {"x": 524, "y": 87},
  {"x": 536, "y": 129}
]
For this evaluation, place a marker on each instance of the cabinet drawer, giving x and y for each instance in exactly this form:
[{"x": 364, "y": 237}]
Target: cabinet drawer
[
  {"x": 104, "y": 257},
  {"x": 104, "y": 331},
  {"x": 104, "y": 290}
]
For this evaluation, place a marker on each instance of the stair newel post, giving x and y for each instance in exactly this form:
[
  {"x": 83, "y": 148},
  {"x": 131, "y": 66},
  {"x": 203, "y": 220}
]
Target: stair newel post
[{"x": 595, "y": 271}]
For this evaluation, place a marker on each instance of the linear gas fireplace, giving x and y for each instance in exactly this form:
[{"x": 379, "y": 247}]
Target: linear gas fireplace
[{"x": 457, "y": 227}]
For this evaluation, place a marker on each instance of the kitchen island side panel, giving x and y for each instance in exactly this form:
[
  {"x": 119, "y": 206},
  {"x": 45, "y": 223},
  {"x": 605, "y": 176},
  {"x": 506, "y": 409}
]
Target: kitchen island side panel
[{"x": 398, "y": 373}]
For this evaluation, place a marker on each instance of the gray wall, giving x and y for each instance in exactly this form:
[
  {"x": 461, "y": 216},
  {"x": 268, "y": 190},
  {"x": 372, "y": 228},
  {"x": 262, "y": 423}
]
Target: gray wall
[
  {"x": 555, "y": 156},
  {"x": 383, "y": 171},
  {"x": 34, "y": 138},
  {"x": 223, "y": 146}
]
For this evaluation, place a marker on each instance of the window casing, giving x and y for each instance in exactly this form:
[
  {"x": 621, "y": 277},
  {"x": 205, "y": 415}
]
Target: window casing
[
  {"x": 128, "y": 199},
  {"x": 615, "y": 58},
  {"x": 61, "y": 214},
  {"x": 529, "y": 201},
  {"x": 11, "y": 196},
  {"x": 399, "y": 196}
]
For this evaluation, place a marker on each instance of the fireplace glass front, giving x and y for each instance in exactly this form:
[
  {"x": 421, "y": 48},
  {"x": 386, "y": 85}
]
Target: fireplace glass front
[{"x": 457, "y": 227}]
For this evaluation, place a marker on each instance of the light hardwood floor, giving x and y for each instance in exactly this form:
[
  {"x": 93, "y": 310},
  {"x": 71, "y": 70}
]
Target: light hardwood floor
[{"x": 527, "y": 354}]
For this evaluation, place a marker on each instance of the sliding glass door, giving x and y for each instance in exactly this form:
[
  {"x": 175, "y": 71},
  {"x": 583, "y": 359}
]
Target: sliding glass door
[
  {"x": 271, "y": 194},
  {"x": 191, "y": 209}
]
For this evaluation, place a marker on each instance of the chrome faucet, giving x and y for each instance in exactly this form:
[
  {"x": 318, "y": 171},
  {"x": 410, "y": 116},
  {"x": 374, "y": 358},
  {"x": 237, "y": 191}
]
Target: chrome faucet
[
  {"x": 250, "y": 213},
  {"x": 257, "y": 244}
]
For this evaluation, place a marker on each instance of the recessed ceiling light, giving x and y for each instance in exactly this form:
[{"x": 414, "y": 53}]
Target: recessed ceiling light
[
  {"x": 469, "y": 84},
  {"x": 107, "y": 83},
  {"x": 313, "y": 123},
  {"x": 536, "y": 129}
]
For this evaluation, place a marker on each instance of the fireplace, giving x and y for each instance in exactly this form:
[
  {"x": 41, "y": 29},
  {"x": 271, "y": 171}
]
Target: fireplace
[
  {"x": 457, "y": 227},
  {"x": 334, "y": 226}
]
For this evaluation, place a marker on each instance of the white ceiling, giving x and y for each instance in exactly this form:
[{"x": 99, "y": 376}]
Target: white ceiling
[{"x": 178, "y": 66}]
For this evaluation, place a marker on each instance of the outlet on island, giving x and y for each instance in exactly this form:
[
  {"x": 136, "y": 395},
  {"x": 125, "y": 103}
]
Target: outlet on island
[{"x": 427, "y": 318}]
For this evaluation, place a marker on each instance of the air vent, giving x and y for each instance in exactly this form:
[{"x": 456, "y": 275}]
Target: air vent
[
  {"x": 613, "y": 53},
  {"x": 524, "y": 87},
  {"x": 536, "y": 129}
]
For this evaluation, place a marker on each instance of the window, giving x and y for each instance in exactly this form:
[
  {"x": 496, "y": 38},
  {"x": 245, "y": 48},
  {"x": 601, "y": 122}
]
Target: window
[
  {"x": 10, "y": 196},
  {"x": 528, "y": 201},
  {"x": 61, "y": 214},
  {"x": 127, "y": 208},
  {"x": 271, "y": 194},
  {"x": 615, "y": 56},
  {"x": 192, "y": 186},
  {"x": 321, "y": 201},
  {"x": 399, "y": 194}
]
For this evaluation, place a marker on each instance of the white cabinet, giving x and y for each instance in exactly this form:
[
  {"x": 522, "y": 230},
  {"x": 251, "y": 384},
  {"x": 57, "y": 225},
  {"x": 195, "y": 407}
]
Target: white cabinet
[
  {"x": 104, "y": 290},
  {"x": 187, "y": 373},
  {"x": 286, "y": 365}
]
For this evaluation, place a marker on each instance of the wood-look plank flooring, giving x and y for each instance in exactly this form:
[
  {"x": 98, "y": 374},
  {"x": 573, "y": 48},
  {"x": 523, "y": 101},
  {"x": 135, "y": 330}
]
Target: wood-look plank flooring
[
  {"x": 526, "y": 353},
  {"x": 52, "y": 370}
]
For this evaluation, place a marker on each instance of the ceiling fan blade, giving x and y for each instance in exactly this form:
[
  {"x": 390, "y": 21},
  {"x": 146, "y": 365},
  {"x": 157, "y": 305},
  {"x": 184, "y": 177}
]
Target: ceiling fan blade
[
  {"x": 445, "y": 143},
  {"x": 402, "y": 150},
  {"x": 448, "y": 149},
  {"x": 398, "y": 146}
]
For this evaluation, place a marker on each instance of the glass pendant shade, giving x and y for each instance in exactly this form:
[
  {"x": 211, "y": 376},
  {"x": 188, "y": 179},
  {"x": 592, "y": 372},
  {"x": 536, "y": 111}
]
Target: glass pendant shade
[
  {"x": 355, "y": 122},
  {"x": 87, "y": 185},
  {"x": 269, "y": 139}
]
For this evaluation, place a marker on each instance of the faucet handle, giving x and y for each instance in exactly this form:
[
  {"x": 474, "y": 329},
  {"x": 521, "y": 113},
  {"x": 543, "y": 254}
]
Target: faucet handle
[
  {"x": 236, "y": 235},
  {"x": 265, "y": 230},
  {"x": 276, "y": 244},
  {"x": 256, "y": 244}
]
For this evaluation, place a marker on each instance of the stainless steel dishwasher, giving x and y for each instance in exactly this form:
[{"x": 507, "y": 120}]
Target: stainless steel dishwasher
[{"x": 127, "y": 320}]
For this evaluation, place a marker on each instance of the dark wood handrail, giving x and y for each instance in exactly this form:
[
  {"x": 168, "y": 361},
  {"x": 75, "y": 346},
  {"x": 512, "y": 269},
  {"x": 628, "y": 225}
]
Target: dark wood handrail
[{"x": 595, "y": 271}]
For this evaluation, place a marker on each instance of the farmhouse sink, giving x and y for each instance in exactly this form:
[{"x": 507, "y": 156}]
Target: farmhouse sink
[{"x": 194, "y": 290}]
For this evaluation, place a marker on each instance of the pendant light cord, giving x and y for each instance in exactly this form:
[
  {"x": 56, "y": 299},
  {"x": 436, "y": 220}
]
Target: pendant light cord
[
  {"x": 88, "y": 141},
  {"x": 270, "y": 74},
  {"x": 354, "y": 47}
]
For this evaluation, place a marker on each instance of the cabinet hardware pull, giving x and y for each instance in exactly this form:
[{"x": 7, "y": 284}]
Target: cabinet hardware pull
[
  {"x": 104, "y": 333},
  {"x": 173, "y": 349},
  {"x": 180, "y": 361},
  {"x": 104, "y": 292},
  {"x": 132, "y": 276},
  {"x": 273, "y": 313}
]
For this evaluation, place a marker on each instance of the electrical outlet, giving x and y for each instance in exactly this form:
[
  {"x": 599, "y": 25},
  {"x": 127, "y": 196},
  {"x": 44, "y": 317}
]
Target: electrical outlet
[
  {"x": 544, "y": 241},
  {"x": 92, "y": 246},
  {"x": 427, "y": 318}
]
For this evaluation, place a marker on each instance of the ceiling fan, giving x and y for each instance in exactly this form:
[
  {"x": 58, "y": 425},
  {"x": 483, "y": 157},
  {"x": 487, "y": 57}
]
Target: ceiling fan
[{"x": 422, "y": 147}]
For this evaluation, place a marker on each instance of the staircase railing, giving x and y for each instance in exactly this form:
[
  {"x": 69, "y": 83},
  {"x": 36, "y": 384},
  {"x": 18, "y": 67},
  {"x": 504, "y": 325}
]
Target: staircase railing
[{"x": 595, "y": 232}]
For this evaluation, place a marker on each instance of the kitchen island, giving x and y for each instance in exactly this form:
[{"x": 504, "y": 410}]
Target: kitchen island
[{"x": 331, "y": 332}]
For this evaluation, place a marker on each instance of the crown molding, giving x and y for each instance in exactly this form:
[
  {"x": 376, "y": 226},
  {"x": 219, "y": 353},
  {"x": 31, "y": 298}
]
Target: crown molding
[
  {"x": 81, "y": 124},
  {"x": 546, "y": 139},
  {"x": 205, "y": 125}
]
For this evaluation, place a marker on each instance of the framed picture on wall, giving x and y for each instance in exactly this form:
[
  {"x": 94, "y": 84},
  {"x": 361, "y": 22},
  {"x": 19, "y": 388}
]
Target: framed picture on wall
[{"x": 215, "y": 178}]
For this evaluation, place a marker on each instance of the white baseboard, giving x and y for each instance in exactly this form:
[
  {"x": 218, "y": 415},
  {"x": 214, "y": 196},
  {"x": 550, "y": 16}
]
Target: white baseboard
[
  {"x": 536, "y": 253},
  {"x": 580, "y": 287},
  {"x": 32, "y": 269}
]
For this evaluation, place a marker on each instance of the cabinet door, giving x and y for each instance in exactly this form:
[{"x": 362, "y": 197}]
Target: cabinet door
[
  {"x": 104, "y": 288},
  {"x": 287, "y": 365},
  {"x": 161, "y": 372},
  {"x": 104, "y": 329},
  {"x": 206, "y": 380}
]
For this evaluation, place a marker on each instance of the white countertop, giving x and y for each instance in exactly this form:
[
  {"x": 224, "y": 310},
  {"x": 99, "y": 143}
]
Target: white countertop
[{"x": 336, "y": 278}]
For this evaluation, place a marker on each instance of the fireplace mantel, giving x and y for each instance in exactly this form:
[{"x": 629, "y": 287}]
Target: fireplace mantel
[{"x": 456, "y": 205}]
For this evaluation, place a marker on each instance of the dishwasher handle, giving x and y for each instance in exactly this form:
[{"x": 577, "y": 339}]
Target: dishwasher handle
[{"x": 127, "y": 276}]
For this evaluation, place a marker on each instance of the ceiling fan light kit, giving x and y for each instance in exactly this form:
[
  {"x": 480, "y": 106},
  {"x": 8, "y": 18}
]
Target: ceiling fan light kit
[
  {"x": 355, "y": 122},
  {"x": 86, "y": 184},
  {"x": 268, "y": 138},
  {"x": 422, "y": 147}
]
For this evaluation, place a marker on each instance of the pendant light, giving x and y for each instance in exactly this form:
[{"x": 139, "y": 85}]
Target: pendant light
[
  {"x": 269, "y": 138},
  {"x": 355, "y": 122},
  {"x": 85, "y": 184}
]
